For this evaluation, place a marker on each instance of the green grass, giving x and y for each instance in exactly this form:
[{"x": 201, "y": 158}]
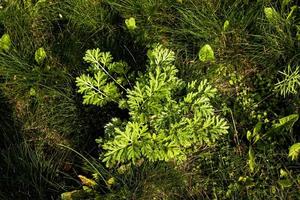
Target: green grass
[{"x": 29, "y": 169}]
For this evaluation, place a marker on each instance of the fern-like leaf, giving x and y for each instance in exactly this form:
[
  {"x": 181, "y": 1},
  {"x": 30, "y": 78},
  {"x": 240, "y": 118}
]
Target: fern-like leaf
[{"x": 294, "y": 151}]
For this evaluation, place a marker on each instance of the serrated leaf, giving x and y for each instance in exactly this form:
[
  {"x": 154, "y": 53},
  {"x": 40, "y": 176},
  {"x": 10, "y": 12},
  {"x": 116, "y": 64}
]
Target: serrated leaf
[
  {"x": 175, "y": 123},
  {"x": 92, "y": 56}
]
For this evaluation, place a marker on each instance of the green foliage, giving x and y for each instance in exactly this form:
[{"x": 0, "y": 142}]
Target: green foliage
[
  {"x": 164, "y": 116},
  {"x": 5, "y": 42},
  {"x": 226, "y": 25},
  {"x": 90, "y": 15},
  {"x": 294, "y": 151},
  {"x": 285, "y": 2},
  {"x": 254, "y": 136},
  {"x": 40, "y": 55},
  {"x": 272, "y": 15},
  {"x": 285, "y": 183},
  {"x": 290, "y": 82},
  {"x": 97, "y": 90},
  {"x": 30, "y": 170},
  {"x": 251, "y": 160},
  {"x": 206, "y": 53},
  {"x": 162, "y": 126},
  {"x": 145, "y": 181},
  {"x": 278, "y": 34},
  {"x": 130, "y": 23},
  {"x": 285, "y": 122}
]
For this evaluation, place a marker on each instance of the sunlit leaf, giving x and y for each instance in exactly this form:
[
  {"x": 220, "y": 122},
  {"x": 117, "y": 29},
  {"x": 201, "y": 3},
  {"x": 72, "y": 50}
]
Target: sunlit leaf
[
  {"x": 5, "y": 42},
  {"x": 206, "y": 53},
  {"x": 40, "y": 55},
  {"x": 130, "y": 23},
  {"x": 294, "y": 151},
  {"x": 226, "y": 25},
  {"x": 272, "y": 15}
]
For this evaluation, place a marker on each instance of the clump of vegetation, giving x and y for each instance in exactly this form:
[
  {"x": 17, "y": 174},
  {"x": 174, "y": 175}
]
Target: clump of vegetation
[
  {"x": 163, "y": 125},
  {"x": 125, "y": 123}
]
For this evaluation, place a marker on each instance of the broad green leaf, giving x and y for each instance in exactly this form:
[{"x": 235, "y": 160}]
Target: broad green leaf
[
  {"x": 71, "y": 195},
  {"x": 206, "y": 53},
  {"x": 257, "y": 137}
]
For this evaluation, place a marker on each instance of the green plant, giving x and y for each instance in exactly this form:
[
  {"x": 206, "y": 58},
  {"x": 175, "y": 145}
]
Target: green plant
[
  {"x": 163, "y": 125},
  {"x": 87, "y": 14},
  {"x": 278, "y": 34},
  {"x": 294, "y": 151},
  {"x": 272, "y": 15},
  {"x": 206, "y": 53},
  {"x": 157, "y": 125},
  {"x": 130, "y": 23},
  {"x": 97, "y": 90},
  {"x": 290, "y": 82},
  {"x": 267, "y": 169},
  {"x": 40, "y": 55},
  {"x": 253, "y": 137},
  {"x": 28, "y": 23},
  {"x": 5, "y": 42}
]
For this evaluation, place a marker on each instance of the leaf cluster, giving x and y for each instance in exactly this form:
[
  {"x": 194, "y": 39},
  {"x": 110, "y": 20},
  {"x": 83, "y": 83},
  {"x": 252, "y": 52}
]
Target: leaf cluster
[
  {"x": 168, "y": 117},
  {"x": 107, "y": 76}
]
